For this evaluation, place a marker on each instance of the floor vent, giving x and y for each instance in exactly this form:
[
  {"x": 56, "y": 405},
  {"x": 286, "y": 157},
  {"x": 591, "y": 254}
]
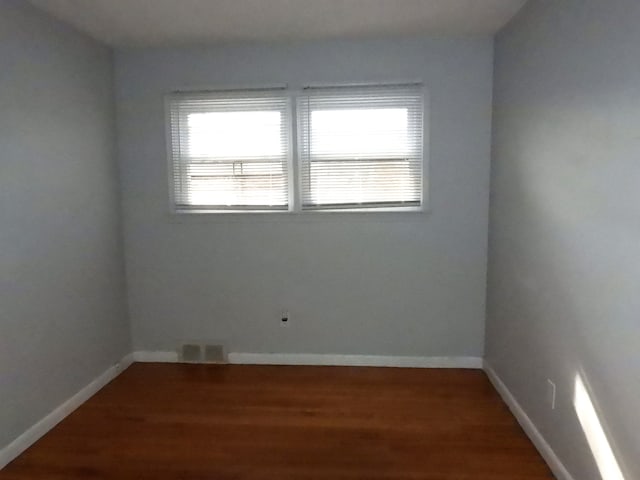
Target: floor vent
[
  {"x": 191, "y": 353},
  {"x": 214, "y": 354},
  {"x": 202, "y": 353}
]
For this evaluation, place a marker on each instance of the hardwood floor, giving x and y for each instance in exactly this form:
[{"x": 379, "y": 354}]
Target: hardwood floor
[{"x": 197, "y": 422}]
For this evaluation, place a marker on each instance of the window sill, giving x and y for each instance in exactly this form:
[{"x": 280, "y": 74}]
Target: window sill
[{"x": 408, "y": 214}]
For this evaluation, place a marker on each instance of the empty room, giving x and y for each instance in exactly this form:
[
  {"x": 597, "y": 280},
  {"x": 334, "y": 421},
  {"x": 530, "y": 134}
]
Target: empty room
[{"x": 320, "y": 239}]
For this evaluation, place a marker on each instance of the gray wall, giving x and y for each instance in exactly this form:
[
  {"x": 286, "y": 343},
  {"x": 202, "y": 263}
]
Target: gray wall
[
  {"x": 62, "y": 302},
  {"x": 388, "y": 284},
  {"x": 564, "y": 268}
]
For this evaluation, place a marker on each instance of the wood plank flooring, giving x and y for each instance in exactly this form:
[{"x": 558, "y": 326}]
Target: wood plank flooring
[{"x": 231, "y": 422}]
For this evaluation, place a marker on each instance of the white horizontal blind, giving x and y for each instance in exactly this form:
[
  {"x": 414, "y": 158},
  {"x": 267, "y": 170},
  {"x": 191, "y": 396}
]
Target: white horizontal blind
[
  {"x": 361, "y": 147},
  {"x": 230, "y": 150}
]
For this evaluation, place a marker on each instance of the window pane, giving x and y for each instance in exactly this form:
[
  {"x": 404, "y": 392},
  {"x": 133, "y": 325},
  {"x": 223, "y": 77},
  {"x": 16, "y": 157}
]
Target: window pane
[
  {"x": 236, "y": 183},
  {"x": 235, "y": 134},
  {"x": 361, "y": 147},
  {"x": 230, "y": 151},
  {"x": 360, "y": 133},
  {"x": 360, "y": 182}
]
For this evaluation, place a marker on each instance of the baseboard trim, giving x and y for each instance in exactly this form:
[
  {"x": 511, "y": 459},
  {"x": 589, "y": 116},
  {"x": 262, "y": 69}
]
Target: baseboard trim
[
  {"x": 37, "y": 431},
  {"x": 242, "y": 358},
  {"x": 354, "y": 360},
  {"x": 155, "y": 357},
  {"x": 555, "y": 464}
]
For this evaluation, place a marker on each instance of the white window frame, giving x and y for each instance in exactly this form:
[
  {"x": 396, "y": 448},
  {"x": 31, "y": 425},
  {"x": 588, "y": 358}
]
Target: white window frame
[
  {"x": 294, "y": 159},
  {"x": 176, "y": 207},
  {"x": 357, "y": 99}
]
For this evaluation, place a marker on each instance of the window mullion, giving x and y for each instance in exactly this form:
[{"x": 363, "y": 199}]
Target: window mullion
[{"x": 295, "y": 194}]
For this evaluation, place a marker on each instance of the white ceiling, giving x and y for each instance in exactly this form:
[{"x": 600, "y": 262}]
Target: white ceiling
[{"x": 124, "y": 23}]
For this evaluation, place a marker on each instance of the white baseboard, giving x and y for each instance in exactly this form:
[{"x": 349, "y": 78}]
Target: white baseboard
[
  {"x": 555, "y": 464},
  {"x": 325, "y": 359},
  {"x": 37, "y": 431},
  {"x": 155, "y": 357},
  {"x": 354, "y": 360}
]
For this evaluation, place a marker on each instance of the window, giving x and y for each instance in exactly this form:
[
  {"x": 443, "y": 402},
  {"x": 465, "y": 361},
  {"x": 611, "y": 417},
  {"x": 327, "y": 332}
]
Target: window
[
  {"x": 230, "y": 151},
  {"x": 361, "y": 147},
  {"x": 358, "y": 148}
]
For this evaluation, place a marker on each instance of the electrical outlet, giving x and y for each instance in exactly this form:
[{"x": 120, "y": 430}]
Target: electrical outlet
[
  {"x": 284, "y": 319},
  {"x": 551, "y": 394}
]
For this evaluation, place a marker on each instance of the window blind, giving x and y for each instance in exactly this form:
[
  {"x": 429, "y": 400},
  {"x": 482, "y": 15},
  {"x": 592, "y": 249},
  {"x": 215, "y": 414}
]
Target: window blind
[
  {"x": 361, "y": 147},
  {"x": 230, "y": 150}
]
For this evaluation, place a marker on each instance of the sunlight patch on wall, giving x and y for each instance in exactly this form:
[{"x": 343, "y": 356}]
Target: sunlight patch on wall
[{"x": 592, "y": 427}]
